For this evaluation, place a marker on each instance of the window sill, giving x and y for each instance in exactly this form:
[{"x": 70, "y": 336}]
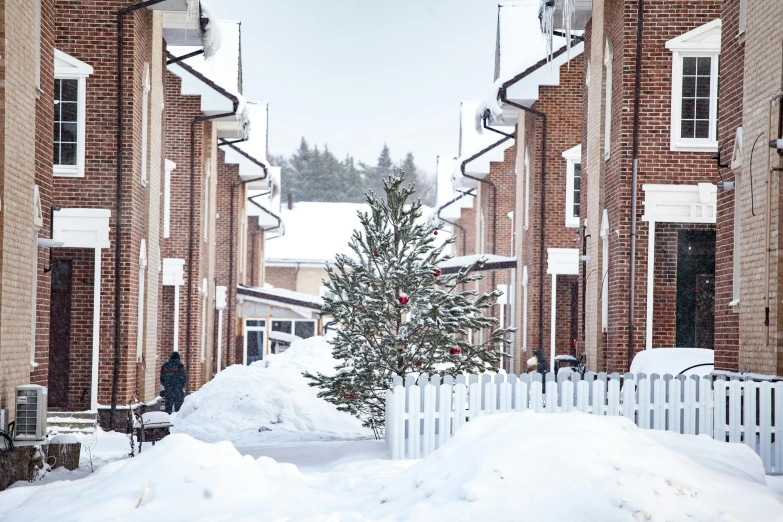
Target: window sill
[
  {"x": 694, "y": 146},
  {"x": 572, "y": 224},
  {"x": 606, "y": 156},
  {"x": 734, "y": 305},
  {"x": 66, "y": 172},
  {"x": 144, "y": 183}
]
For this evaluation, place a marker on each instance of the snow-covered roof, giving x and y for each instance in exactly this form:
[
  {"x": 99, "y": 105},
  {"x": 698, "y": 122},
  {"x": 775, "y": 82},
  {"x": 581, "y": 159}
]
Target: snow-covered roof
[
  {"x": 471, "y": 143},
  {"x": 269, "y": 216},
  {"x": 280, "y": 295},
  {"x": 491, "y": 262},
  {"x": 522, "y": 59},
  {"x": 249, "y": 153},
  {"x": 216, "y": 79},
  {"x": 315, "y": 233},
  {"x": 190, "y": 22},
  {"x": 445, "y": 193}
]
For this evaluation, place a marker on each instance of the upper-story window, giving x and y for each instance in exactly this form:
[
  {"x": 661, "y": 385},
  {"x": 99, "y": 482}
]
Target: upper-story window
[
  {"x": 573, "y": 199},
  {"x": 608, "y": 58},
  {"x": 145, "y": 100},
  {"x": 694, "y": 110},
  {"x": 70, "y": 85}
]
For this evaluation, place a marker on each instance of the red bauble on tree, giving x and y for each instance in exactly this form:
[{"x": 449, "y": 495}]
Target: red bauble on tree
[
  {"x": 454, "y": 351},
  {"x": 438, "y": 272},
  {"x": 403, "y": 299},
  {"x": 361, "y": 308},
  {"x": 348, "y": 396},
  {"x": 436, "y": 232},
  {"x": 418, "y": 363},
  {"x": 374, "y": 253}
]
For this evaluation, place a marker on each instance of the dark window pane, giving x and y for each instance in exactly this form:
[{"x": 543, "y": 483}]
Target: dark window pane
[
  {"x": 56, "y": 90},
  {"x": 702, "y": 129},
  {"x": 255, "y": 346},
  {"x": 703, "y": 87},
  {"x": 68, "y": 111},
  {"x": 304, "y": 329},
  {"x": 70, "y": 90},
  {"x": 689, "y": 86},
  {"x": 702, "y": 108},
  {"x": 68, "y": 154},
  {"x": 281, "y": 326},
  {"x": 686, "y": 130},
  {"x": 57, "y": 116},
  {"x": 56, "y": 132},
  {"x": 56, "y": 154},
  {"x": 255, "y": 322},
  {"x": 68, "y": 132},
  {"x": 688, "y": 108},
  {"x": 689, "y": 66},
  {"x": 704, "y": 66}
]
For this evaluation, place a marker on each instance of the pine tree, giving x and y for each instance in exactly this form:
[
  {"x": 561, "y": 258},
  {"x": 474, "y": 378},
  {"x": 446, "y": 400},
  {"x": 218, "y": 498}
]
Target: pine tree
[{"x": 396, "y": 313}]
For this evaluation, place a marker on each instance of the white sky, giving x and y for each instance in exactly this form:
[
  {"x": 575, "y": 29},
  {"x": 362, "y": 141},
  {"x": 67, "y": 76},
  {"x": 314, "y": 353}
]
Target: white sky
[{"x": 357, "y": 73}]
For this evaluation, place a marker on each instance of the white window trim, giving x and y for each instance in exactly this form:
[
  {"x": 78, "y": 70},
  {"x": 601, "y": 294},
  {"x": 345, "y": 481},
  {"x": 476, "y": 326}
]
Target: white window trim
[
  {"x": 262, "y": 328},
  {"x": 608, "y": 59},
  {"x": 524, "y": 307},
  {"x": 743, "y": 16},
  {"x": 736, "y": 154},
  {"x": 207, "y": 174},
  {"x": 69, "y": 68},
  {"x": 702, "y": 42},
  {"x": 737, "y": 239},
  {"x": 527, "y": 189},
  {"x": 140, "y": 317},
  {"x": 204, "y": 299},
  {"x": 37, "y": 208},
  {"x": 573, "y": 156},
  {"x": 604, "y": 271},
  {"x": 170, "y": 166},
  {"x": 145, "y": 101},
  {"x": 38, "y": 48}
]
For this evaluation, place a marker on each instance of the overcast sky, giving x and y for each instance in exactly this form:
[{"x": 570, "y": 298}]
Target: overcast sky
[{"x": 355, "y": 74}]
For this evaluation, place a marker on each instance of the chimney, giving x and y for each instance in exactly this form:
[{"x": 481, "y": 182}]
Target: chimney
[{"x": 290, "y": 201}]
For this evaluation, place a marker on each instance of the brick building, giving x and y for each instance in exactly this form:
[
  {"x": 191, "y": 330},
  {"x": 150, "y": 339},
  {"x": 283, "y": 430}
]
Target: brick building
[
  {"x": 673, "y": 271},
  {"x": 547, "y": 236},
  {"x": 749, "y": 317}
]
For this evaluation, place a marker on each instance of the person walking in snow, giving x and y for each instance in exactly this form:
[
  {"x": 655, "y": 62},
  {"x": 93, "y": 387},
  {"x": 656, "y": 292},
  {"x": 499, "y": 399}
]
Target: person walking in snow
[{"x": 173, "y": 377}]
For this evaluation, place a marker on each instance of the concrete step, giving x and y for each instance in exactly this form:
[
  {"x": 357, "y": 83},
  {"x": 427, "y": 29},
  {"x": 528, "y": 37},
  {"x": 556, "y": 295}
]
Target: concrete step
[{"x": 65, "y": 422}]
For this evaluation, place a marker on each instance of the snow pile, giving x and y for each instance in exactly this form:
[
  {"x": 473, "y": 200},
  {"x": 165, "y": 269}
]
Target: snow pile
[
  {"x": 673, "y": 361},
  {"x": 580, "y": 467},
  {"x": 512, "y": 467},
  {"x": 269, "y": 401}
]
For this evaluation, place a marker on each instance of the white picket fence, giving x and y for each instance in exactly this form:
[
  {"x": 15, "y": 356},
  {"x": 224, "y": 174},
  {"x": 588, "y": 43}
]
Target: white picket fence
[{"x": 734, "y": 411}]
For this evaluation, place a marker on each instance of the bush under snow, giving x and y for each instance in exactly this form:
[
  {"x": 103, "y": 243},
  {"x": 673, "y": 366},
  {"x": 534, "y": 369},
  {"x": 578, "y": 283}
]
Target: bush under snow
[
  {"x": 511, "y": 467},
  {"x": 269, "y": 401}
]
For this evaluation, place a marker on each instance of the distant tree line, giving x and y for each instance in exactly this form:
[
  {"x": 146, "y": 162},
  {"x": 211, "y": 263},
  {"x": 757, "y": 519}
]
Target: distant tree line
[{"x": 311, "y": 174}]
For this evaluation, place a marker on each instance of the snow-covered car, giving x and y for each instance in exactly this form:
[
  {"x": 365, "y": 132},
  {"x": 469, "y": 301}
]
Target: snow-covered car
[{"x": 674, "y": 361}]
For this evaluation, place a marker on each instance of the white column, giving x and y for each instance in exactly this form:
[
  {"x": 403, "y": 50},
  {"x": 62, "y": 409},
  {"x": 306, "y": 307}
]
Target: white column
[
  {"x": 553, "y": 322},
  {"x": 650, "y": 283},
  {"x": 96, "y": 330},
  {"x": 176, "y": 318},
  {"x": 219, "y": 340},
  {"x": 524, "y": 309}
]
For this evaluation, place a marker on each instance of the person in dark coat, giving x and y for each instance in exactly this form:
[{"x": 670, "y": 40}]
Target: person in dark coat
[{"x": 173, "y": 377}]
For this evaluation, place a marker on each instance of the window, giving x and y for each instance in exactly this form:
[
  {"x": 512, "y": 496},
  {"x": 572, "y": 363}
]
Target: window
[
  {"x": 608, "y": 56},
  {"x": 527, "y": 189},
  {"x": 524, "y": 308},
  {"x": 280, "y": 340},
  {"x": 695, "y": 89},
  {"x": 605, "y": 271},
  {"x": 170, "y": 166},
  {"x": 207, "y": 172},
  {"x": 735, "y": 300},
  {"x": 254, "y": 346},
  {"x": 145, "y": 100},
  {"x": 204, "y": 299},
  {"x": 140, "y": 317},
  {"x": 70, "y": 85},
  {"x": 743, "y": 15},
  {"x": 573, "y": 157}
]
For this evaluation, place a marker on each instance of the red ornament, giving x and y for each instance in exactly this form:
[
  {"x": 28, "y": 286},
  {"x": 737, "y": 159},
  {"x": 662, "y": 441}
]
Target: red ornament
[
  {"x": 454, "y": 351},
  {"x": 403, "y": 299},
  {"x": 374, "y": 253},
  {"x": 361, "y": 308},
  {"x": 436, "y": 232},
  {"x": 418, "y": 363},
  {"x": 348, "y": 396},
  {"x": 438, "y": 272}
]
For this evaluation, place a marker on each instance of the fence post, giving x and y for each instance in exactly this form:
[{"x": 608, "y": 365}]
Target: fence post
[
  {"x": 735, "y": 411},
  {"x": 444, "y": 413},
  {"x": 659, "y": 407},
  {"x": 749, "y": 422},
  {"x": 613, "y": 396},
  {"x": 429, "y": 419},
  {"x": 778, "y": 460},
  {"x": 414, "y": 422},
  {"x": 675, "y": 403}
]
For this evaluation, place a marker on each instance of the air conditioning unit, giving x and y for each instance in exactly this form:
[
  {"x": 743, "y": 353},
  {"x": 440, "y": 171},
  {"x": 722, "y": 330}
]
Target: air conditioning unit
[{"x": 30, "y": 412}]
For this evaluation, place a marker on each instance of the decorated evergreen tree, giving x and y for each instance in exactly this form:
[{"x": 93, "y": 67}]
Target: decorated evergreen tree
[{"x": 396, "y": 313}]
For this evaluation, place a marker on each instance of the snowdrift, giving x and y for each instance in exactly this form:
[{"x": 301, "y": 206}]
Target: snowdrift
[
  {"x": 514, "y": 467},
  {"x": 269, "y": 401}
]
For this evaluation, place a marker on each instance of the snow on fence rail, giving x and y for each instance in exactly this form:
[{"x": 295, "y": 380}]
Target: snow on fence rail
[{"x": 734, "y": 411}]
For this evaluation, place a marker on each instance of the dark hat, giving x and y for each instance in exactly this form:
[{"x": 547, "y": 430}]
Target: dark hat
[{"x": 175, "y": 356}]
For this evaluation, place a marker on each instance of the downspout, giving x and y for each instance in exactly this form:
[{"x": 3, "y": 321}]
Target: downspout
[
  {"x": 118, "y": 204},
  {"x": 767, "y": 222},
  {"x": 542, "y": 235},
  {"x": 231, "y": 235},
  {"x": 634, "y": 177},
  {"x": 454, "y": 223}
]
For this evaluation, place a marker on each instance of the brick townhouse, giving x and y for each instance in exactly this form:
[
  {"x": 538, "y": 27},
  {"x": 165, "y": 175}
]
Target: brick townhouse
[
  {"x": 530, "y": 86},
  {"x": 204, "y": 107},
  {"x": 664, "y": 144},
  {"x": 748, "y": 313}
]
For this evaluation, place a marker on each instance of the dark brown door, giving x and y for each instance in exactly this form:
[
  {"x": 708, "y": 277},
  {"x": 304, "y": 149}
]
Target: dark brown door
[{"x": 60, "y": 334}]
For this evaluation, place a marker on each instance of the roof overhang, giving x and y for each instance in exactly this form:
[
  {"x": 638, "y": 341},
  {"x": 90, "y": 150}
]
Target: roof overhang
[
  {"x": 189, "y": 22},
  {"x": 582, "y": 13},
  {"x": 279, "y": 296},
  {"x": 474, "y": 140},
  {"x": 491, "y": 262}
]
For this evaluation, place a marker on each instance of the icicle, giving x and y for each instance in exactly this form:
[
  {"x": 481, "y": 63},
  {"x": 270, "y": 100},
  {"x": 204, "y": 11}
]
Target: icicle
[
  {"x": 569, "y": 8},
  {"x": 547, "y": 15}
]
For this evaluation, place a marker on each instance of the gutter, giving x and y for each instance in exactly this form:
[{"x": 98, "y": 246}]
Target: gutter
[
  {"x": 454, "y": 223},
  {"x": 118, "y": 204},
  {"x": 232, "y": 213},
  {"x": 198, "y": 119}
]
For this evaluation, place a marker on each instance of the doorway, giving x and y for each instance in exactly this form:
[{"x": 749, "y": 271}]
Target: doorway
[
  {"x": 695, "y": 289},
  {"x": 255, "y": 330},
  {"x": 60, "y": 334}
]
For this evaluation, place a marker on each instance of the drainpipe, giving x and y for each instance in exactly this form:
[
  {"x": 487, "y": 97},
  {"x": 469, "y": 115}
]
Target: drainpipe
[
  {"x": 542, "y": 235},
  {"x": 231, "y": 233},
  {"x": 454, "y": 223},
  {"x": 185, "y": 57},
  {"x": 118, "y": 204},
  {"x": 634, "y": 177},
  {"x": 767, "y": 221},
  {"x": 251, "y": 199}
]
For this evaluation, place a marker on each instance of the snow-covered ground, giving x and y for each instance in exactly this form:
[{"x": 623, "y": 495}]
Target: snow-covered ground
[
  {"x": 520, "y": 467},
  {"x": 269, "y": 401}
]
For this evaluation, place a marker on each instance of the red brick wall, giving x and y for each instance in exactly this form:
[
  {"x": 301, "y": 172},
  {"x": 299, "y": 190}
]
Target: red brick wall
[
  {"x": 281, "y": 277},
  {"x": 87, "y": 31},
  {"x": 664, "y": 20},
  {"x": 563, "y": 107},
  {"x": 732, "y": 60},
  {"x": 180, "y": 112}
]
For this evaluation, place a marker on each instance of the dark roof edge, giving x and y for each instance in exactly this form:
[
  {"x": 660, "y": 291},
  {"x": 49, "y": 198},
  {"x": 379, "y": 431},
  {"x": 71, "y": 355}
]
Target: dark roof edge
[
  {"x": 575, "y": 39},
  {"x": 259, "y": 294},
  {"x": 206, "y": 80}
]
